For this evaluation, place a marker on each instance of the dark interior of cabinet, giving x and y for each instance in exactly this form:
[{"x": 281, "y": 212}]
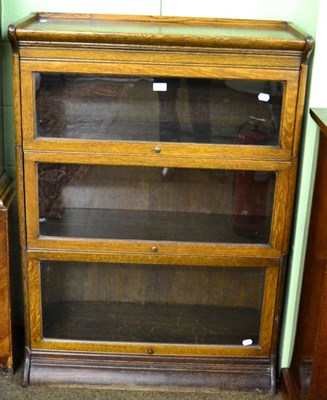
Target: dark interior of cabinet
[
  {"x": 145, "y": 203},
  {"x": 77, "y": 106},
  {"x": 151, "y": 303}
]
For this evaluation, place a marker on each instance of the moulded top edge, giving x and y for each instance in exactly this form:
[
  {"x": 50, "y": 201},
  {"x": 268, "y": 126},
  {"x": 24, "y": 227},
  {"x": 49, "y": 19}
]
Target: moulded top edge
[{"x": 157, "y": 30}]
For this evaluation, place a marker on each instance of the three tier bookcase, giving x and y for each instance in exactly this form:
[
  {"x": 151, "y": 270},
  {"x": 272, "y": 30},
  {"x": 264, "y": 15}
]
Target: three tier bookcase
[{"x": 156, "y": 167}]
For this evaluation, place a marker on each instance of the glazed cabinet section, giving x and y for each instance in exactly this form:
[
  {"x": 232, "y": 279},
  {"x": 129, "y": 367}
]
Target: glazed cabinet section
[
  {"x": 152, "y": 109},
  {"x": 159, "y": 159},
  {"x": 204, "y": 208},
  {"x": 156, "y": 309},
  {"x": 181, "y": 221},
  {"x": 208, "y": 115},
  {"x": 154, "y": 223}
]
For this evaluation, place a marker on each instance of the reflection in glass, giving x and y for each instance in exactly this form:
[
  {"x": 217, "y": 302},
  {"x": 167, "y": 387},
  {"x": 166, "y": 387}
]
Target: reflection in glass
[
  {"x": 151, "y": 303},
  {"x": 151, "y": 203},
  {"x": 151, "y": 109}
]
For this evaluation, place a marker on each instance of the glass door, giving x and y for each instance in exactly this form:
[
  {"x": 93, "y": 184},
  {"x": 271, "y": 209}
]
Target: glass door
[
  {"x": 189, "y": 110},
  {"x": 151, "y": 303},
  {"x": 137, "y": 306},
  {"x": 155, "y": 203}
]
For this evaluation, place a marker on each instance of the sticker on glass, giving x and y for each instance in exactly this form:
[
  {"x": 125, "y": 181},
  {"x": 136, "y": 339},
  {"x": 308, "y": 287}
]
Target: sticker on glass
[
  {"x": 263, "y": 97},
  {"x": 159, "y": 86},
  {"x": 247, "y": 342}
]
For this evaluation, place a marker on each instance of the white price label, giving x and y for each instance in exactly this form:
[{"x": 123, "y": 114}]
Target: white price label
[
  {"x": 247, "y": 342},
  {"x": 159, "y": 86},
  {"x": 263, "y": 97}
]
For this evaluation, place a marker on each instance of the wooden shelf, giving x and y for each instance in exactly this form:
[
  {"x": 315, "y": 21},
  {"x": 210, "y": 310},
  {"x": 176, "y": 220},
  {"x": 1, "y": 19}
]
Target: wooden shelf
[
  {"x": 152, "y": 225},
  {"x": 152, "y": 323}
]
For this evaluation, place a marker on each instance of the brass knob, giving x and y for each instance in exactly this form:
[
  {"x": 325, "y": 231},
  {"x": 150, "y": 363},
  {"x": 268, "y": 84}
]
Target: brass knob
[
  {"x": 150, "y": 351},
  {"x": 154, "y": 249},
  {"x": 157, "y": 149}
]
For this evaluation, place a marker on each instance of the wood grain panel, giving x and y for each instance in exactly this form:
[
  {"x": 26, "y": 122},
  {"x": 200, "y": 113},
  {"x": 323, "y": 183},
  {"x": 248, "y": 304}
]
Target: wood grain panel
[
  {"x": 6, "y": 347},
  {"x": 141, "y": 54}
]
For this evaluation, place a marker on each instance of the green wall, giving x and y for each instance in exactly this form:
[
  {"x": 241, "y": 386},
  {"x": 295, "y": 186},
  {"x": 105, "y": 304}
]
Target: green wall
[
  {"x": 311, "y": 18},
  {"x": 306, "y": 14}
]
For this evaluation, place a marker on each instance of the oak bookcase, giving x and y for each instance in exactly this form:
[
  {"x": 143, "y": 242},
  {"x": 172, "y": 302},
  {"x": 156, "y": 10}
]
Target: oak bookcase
[{"x": 156, "y": 166}]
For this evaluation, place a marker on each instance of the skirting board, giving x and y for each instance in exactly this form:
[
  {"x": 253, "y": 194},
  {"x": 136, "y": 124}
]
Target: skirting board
[{"x": 148, "y": 373}]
